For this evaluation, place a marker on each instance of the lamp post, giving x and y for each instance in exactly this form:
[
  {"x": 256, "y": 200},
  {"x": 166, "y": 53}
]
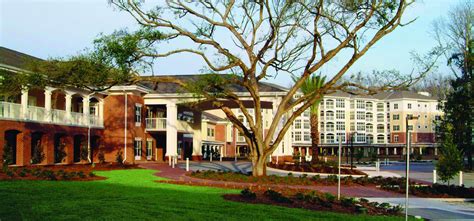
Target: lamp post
[{"x": 408, "y": 140}]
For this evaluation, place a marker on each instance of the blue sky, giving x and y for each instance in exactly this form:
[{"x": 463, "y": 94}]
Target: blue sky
[{"x": 57, "y": 28}]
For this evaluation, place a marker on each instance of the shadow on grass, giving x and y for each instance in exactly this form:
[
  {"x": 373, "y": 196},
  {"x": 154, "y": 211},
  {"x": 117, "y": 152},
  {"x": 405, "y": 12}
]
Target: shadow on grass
[{"x": 133, "y": 194}]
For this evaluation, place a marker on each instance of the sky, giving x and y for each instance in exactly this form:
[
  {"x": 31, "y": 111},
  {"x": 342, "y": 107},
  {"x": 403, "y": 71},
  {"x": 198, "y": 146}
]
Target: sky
[{"x": 61, "y": 28}]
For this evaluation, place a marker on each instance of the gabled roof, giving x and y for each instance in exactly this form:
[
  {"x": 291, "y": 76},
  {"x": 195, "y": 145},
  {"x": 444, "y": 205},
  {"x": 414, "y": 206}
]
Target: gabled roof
[
  {"x": 211, "y": 117},
  {"x": 386, "y": 95},
  {"x": 12, "y": 58},
  {"x": 174, "y": 88}
]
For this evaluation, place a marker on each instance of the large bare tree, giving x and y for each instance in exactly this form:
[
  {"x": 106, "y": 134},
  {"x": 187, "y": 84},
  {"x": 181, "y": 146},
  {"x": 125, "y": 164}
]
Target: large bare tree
[{"x": 257, "y": 39}]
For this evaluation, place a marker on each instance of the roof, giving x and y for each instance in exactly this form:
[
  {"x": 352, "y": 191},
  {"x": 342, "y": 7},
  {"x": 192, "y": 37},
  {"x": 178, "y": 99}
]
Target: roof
[
  {"x": 174, "y": 88},
  {"x": 211, "y": 117},
  {"x": 14, "y": 58},
  {"x": 386, "y": 95}
]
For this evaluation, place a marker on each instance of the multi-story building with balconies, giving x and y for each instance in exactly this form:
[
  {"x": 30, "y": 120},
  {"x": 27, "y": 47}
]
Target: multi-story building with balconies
[{"x": 155, "y": 122}]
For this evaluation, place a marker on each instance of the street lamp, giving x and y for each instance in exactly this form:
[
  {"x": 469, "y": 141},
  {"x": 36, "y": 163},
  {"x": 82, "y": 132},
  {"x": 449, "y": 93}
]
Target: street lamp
[{"x": 407, "y": 140}]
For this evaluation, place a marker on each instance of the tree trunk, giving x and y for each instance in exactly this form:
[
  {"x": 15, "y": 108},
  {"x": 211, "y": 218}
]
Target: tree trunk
[
  {"x": 314, "y": 137},
  {"x": 259, "y": 166}
]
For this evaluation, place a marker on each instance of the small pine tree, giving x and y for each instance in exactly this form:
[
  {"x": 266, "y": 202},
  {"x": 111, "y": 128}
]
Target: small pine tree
[
  {"x": 38, "y": 154},
  {"x": 450, "y": 160},
  {"x": 101, "y": 156},
  {"x": 84, "y": 153}
]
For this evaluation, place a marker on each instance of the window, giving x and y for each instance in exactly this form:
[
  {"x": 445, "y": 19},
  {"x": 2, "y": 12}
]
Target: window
[
  {"x": 410, "y": 116},
  {"x": 321, "y": 126},
  {"x": 360, "y": 104},
  {"x": 149, "y": 149},
  {"x": 360, "y": 138},
  {"x": 379, "y": 117},
  {"x": 396, "y": 116},
  {"x": 329, "y": 115},
  {"x": 379, "y": 106},
  {"x": 306, "y": 124},
  {"x": 437, "y": 117},
  {"x": 298, "y": 124},
  {"x": 380, "y": 128},
  {"x": 321, "y": 138},
  {"x": 395, "y": 138},
  {"x": 380, "y": 138},
  {"x": 306, "y": 113},
  {"x": 396, "y": 127},
  {"x": 322, "y": 115},
  {"x": 409, "y": 105},
  {"x": 369, "y": 106},
  {"x": 330, "y": 126},
  {"x": 137, "y": 148},
  {"x": 329, "y": 104},
  {"x": 297, "y": 135},
  {"x": 369, "y": 139},
  {"x": 330, "y": 138},
  {"x": 426, "y": 116},
  {"x": 340, "y": 103},
  {"x": 307, "y": 136},
  {"x": 340, "y": 115},
  {"x": 351, "y": 115},
  {"x": 419, "y": 126},
  {"x": 369, "y": 128},
  {"x": 340, "y": 126},
  {"x": 352, "y": 104},
  {"x": 352, "y": 126},
  {"x": 369, "y": 117},
  {"x": 210, "y": 132},
  {"x": 342, "y": 136},
  {"x": 138, "y": 114},
  {"x": 360, "y": 126},
  {"x": 395, "y": 106},
  {"x": 360, "y": 115},
  {"x": 410, "y": 127}
]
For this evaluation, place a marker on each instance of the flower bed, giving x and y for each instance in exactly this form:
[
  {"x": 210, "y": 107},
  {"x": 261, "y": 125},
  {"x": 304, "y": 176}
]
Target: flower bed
[
  {"x": 76, "y": 172},
  {"x": 318, "y": 168},
  {"x": 315, "y": 201}
]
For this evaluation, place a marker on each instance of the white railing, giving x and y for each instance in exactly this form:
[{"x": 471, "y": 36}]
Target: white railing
[
  {"x": 14, "y": 111},
  {"x": 10, "y": 110},
  {"x": 155, "y": 123}
]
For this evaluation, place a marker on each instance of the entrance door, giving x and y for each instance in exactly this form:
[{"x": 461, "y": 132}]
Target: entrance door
[
  {"x": 138, "y": 149},
  {"x": 149, "y": 149}
]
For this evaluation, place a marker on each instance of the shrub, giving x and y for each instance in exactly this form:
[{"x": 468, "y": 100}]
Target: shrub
[
  {"x": 81, "y": 174},
  {"x": 119, "y": 157},
  {"x": 276, "y": 196},
  {"x": 91, "y": 174},
  {"x": 60, "y": 153},
  {"x": 348, "y": 202},
  {"x": 23, "y": 172},
  {"x": 316, "y": 178},
  {"x": 248, "y": 194},
  {"x": 329, "y": 197},
  {"x": 363, "y": 200},
  {"x": 38, "y": 154},
  {"x": 332, "y": 179},
  {"x": 101, "y": 157},
  {"x": 300, "y": 196},
  {"x": 450, "y": 160},
  {"x": 10, "y": 173},
  {"x": 84, "y": 153},
  {"x": 7, "y": 155}
]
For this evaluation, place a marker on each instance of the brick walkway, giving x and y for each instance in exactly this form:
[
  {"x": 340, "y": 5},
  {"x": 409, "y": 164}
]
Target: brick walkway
[{"x": 178, "y": 176}]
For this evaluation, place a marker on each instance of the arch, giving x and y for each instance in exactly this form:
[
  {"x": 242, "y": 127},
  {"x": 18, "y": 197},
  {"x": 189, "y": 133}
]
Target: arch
[
  {"x": 380, "y": 138},
  {"x": 369, "y": 138},
  {"x": 60, "y": 147}
]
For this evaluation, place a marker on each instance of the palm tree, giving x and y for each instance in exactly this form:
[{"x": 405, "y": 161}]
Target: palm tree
[{"x": 312, "y": 84}]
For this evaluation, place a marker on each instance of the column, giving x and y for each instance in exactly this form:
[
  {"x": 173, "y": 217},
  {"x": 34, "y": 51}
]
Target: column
[
  {"x": 436, "y": 151},
  {"x": 68, "y": 96},
  {"x": 386, "y": 151},
  {"x": 197, "y": 137},
  {"x": 100, "y": 112},
  {"x": 24, "y": 104},
  {"x": 378, "y": 151},
  {"x": 47, "y": 103},
  {"x": 394, "y": 151},
  {"x": 171, "y": 130},
  {"x": 86, "y": 109},
  {"x": 421, "y": 150}
]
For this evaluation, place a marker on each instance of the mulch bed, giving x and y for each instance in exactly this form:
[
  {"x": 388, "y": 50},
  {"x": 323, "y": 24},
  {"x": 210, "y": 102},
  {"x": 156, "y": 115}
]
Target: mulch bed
[
  {"x": 70, "y": 172},
  {"x": 315, "y": 169},
  {"x": 335, "y": 206}
]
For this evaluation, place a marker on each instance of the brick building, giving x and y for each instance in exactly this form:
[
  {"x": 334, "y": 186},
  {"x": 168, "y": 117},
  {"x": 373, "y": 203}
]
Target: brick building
[{"x": 148, "y": 122}]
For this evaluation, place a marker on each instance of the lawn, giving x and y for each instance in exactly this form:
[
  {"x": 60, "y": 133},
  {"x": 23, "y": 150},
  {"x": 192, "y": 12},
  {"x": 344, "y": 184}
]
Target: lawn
[{"x": 132, "y": 194}]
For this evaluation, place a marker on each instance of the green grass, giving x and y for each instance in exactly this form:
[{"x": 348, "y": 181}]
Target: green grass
[{"x": 132, "y": 194}]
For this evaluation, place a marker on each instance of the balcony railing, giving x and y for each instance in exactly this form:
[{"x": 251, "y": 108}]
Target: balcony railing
[
  {"x": 155, "y": 123},
  {"x": 13, "y": 111}
]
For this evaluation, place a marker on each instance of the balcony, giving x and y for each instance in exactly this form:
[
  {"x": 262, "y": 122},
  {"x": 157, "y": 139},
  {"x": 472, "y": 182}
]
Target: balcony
[
  {"x": 14, "y": 111},
  {"x": 155, "y": 123}
]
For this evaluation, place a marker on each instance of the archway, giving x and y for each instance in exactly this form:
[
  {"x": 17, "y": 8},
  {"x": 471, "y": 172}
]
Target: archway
[
  {"x": 59, "y": 148},
  {"x": 79, "y": 142},
  {"x": 11, "y": 143},
  {"x": 37, "y": 149}
]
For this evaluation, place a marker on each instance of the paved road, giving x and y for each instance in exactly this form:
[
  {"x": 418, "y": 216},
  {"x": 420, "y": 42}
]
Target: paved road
[
  {"x": 424, "y": 171},
  {"x": 433, "y": 209}
]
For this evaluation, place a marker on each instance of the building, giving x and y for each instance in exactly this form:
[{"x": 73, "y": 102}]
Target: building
[{"x": 156, "y": 122}]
